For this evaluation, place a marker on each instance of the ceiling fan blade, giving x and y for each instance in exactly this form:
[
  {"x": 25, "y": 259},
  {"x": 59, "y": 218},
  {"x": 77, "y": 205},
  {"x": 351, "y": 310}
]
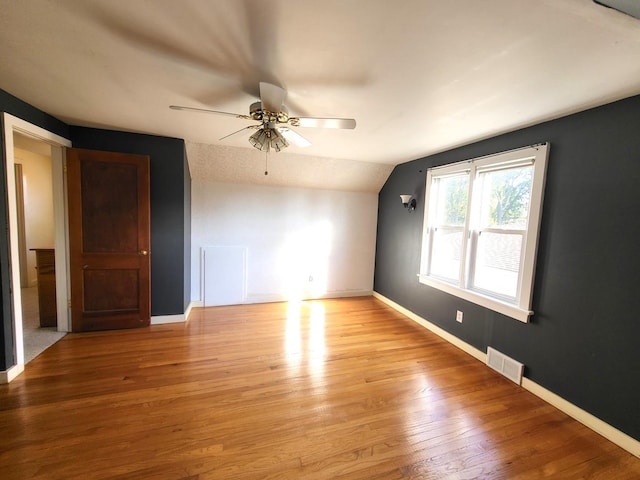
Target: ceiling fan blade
[
  {"x": 294, "y": 137},
  {"x": 205, "y": 110},
  {"x": 314, "y": 122},
  {"x": 254, "y": 127},
  {"x": 272, "y": 97}
]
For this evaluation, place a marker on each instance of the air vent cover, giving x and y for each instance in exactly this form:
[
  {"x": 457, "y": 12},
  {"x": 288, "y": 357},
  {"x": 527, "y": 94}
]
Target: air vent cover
[{"x": 505, "y": 365}]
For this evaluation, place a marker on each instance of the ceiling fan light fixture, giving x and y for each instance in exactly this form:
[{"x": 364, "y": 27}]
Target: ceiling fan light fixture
[
  {"x": 268, "y": 138},
  {"x": 278, "y": 142},
  {"x": 260, "y": 140}
]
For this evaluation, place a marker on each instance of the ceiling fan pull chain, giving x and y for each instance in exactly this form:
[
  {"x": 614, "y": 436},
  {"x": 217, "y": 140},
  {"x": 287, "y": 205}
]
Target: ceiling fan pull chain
[{"x": 266, "y": 162}]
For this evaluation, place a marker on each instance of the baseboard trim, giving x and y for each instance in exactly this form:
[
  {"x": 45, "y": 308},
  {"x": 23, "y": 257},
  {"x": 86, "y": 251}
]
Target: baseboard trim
[
  {"x": 179, "y": 318},
  {"x": 462, "y": 345},
  {"x": 273, "y": 298},
  {"x": 7, "y": 375},
  {"x": 187, "y": 312},
  {"x": 162, "y": 319},
  {"x": 611, "y": 433}
]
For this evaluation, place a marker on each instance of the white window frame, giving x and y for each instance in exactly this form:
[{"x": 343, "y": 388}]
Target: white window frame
[{"x": 519, "y": 307}]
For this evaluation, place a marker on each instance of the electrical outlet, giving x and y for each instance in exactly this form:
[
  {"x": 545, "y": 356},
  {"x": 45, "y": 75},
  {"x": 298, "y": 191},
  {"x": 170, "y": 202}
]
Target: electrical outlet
[
  {"x": 310, "y": 278},
  {"x": 458, "y": 316}
]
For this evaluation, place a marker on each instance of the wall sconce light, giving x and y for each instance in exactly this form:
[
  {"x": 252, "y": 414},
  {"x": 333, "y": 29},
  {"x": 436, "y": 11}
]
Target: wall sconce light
[{"x": 408, "y": 202}]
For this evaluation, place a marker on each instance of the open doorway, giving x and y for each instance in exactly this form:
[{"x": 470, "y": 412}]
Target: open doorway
[
  {"x": 36, "y": 244},
  {"x": 18, "y": 130}
]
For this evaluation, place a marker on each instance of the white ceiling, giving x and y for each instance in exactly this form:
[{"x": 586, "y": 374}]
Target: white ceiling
[{"x": 419, "y": 76}]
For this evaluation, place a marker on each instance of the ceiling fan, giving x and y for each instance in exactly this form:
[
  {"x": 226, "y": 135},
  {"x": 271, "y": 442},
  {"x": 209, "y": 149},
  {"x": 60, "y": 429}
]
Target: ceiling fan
[{"x": 273, "y": 131}]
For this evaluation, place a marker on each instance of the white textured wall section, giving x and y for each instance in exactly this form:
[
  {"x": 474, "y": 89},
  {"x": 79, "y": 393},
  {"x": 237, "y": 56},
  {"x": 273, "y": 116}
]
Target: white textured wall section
[
  {"x": 286, "y": 168},
  {"x": 291, "y": 234}
]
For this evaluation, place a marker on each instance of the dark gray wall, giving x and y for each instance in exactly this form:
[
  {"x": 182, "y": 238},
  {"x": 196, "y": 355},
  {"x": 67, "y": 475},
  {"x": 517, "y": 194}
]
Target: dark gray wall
[
  {"x": 187, "y": 234},
  {"x": 170, "y": 212},
  {"x": 170, "y": 209},
  {"x": 20, "y": 109},
  {"x": 582, "y": 342}
]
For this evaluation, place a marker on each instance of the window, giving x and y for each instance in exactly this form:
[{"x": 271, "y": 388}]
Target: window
[{"x": 481, "y": 229}]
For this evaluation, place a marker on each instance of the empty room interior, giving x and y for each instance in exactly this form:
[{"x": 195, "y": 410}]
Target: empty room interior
[{"x": 310, "y": 240}]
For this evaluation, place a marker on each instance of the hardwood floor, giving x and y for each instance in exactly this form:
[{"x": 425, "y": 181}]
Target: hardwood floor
[{"x": 335, "y": 389}]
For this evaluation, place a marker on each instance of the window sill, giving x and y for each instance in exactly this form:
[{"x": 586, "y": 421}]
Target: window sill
[{"x": 503, "y": 308}]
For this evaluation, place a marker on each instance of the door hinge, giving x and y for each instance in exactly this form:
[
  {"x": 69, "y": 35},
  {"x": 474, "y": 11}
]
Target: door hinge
[{"x": 69, "y": 303}]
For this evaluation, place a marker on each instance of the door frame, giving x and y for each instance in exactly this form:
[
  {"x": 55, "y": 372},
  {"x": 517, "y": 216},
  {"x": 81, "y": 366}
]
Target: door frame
[{"x": 11, "y": 125}]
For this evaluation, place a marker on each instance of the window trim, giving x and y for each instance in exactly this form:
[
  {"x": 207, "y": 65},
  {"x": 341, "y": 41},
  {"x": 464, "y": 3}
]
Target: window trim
[{"x": 520, "y": 309}]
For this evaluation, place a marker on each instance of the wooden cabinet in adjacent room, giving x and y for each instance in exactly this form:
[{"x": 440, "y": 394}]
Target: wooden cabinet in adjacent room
[{"x": 45, "y": 264}]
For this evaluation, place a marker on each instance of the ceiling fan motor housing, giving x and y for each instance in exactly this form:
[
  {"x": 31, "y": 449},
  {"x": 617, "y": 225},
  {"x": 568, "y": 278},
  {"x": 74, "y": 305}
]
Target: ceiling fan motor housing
[{"x": 264, "y": 116}]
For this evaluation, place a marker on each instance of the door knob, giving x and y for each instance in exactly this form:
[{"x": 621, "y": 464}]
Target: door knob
[{"x": 144, "y": 252}]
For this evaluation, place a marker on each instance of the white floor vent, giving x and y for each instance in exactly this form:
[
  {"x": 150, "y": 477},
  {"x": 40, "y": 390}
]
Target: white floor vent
[{"x": 505, "y": 365}]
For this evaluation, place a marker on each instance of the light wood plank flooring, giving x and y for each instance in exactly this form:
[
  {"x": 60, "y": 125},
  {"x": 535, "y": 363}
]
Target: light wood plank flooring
[{"x": 335, "y": 389}]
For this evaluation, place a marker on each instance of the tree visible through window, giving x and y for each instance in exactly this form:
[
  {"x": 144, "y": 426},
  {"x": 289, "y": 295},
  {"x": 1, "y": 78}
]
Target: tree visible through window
[
  {"x": 510, "y": 193},
  {"x": 457, "y": 200},
  {"x": 481, "y": 227},
  {"x": 500, "y": 229}
]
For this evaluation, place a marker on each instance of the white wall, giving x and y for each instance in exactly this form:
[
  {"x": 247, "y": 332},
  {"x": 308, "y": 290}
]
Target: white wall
[
  {"x": 38, "y": 205},
  {"x": 290, "y": 234}
]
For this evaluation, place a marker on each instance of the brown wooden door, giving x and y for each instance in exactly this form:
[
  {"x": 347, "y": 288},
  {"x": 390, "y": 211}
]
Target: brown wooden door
[{"x": 108, "y": 196}]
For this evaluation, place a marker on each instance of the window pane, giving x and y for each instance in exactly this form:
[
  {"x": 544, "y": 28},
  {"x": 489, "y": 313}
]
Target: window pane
[
  {"x": 505, "y": 197},
  {"x": 476, "y": 242},
  {"x": 451, "y": 203},
  {"x": 497, "y": 263},
  {"x": 446, "y": 253}
]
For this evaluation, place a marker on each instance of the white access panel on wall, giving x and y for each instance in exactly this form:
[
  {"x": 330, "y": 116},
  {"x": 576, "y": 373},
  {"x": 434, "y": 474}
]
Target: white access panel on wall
[{"x": 224, "y": 275}]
